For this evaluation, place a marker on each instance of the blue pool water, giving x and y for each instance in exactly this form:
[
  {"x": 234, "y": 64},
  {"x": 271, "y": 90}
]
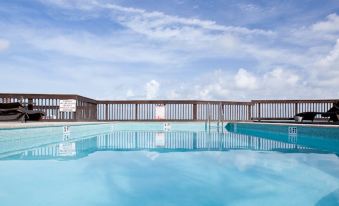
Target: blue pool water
[{"x": 176, "y": 164}]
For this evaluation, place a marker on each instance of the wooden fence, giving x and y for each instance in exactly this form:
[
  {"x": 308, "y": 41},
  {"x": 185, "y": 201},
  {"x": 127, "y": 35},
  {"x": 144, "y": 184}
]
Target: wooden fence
[
  {"x": 286, "y": 109},
  {"x": 86, "y": 109},
  {"x": 175, "y": 110}
]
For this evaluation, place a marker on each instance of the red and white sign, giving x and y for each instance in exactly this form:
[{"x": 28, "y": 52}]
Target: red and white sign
[{"x": 160, "y": 111}]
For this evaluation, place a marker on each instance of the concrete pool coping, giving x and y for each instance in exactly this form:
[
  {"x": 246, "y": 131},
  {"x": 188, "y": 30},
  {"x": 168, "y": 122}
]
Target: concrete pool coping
[
  {"x": 307, "y": 124},
  {"x": 20, "y": 125},
  {"x": 17, "y": 125}
]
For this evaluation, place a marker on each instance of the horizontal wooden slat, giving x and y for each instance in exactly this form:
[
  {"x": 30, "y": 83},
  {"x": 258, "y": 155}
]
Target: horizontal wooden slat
[
  {"x": 295, "y": 101},
  {"x": 170, "y": 102}
]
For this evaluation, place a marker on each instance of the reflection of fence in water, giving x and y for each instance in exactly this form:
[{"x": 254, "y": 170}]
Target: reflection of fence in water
[
  {"x": 184, "y": 141},
  {"x": 189, "y": 141},
  {"x": 52, "y": 150}
]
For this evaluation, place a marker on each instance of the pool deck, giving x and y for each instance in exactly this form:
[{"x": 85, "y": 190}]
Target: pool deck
[
  {"x": 17, "y": 125},
  {"x": 14, "y": 125}
]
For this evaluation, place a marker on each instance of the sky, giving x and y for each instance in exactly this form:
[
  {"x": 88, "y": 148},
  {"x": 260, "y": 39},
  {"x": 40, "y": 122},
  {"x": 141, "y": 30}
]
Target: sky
[{"x": 171, "y": 49}]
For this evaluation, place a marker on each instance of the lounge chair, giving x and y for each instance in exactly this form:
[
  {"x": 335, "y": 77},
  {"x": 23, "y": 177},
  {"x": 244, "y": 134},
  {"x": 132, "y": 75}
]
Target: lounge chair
[
  {"x": 34, "y": 115},
  {"x": 333, "y": 114},
  {"x": 16, "y": 112},
  {"x": 12, "y": 112}
]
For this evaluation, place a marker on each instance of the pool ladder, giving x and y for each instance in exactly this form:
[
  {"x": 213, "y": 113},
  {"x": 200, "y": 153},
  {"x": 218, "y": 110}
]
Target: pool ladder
[{"x": 220, "y": 122}]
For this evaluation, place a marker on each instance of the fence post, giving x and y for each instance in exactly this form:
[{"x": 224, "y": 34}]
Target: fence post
[
  {"x": 136, "y": 112},
  {"x": 259, "y": 112},
  {"x": 249, "y": 114},
  {"x": 30, "y": 104},
  {"x": 95, "y": 115},
  {"x": 77, "y": 108},
  {"x": 194, "y": 111},
  {"x": 106, "y": 112}
]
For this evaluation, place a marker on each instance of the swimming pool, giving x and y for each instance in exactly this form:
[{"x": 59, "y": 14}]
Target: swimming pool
[{"x": 169, "y": 164}]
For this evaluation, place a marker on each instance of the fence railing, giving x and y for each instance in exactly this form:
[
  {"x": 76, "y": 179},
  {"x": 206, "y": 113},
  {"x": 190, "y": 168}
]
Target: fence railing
[
  {"x": 286, "y": 109},
  {"x": 49, "y": 104},
  {"x": 175, "y": 110}
]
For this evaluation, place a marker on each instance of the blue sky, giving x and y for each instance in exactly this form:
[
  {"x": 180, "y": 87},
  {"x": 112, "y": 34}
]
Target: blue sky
[{"x": 160, "y": 49}]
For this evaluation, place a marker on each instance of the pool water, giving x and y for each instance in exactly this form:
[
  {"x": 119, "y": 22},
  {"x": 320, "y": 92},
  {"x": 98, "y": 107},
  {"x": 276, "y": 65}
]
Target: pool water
[{"x": 172, "y": 164}]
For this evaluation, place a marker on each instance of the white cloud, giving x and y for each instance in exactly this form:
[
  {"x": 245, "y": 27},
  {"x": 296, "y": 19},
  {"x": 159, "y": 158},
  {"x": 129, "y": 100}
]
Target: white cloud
[
  {"x": 213, "y": 85},
  {"x": 317, "y": 35},
  {"x": 325, "y": 72},
  {"x": 162, "y": 42},
  {"x": 152, "y": 88},
  {"x": 242, "y": 84},
  {"x": 4, "y": 44},
  {"x": 331, "y": 24},
  {"x": 245, "y": 80},
  {"x": 130, "y": 94},
  {"x": 283, "y": 61},
  {"x": 86, "y": 45},
  {"x": 331, "y": 60},
  {"x": 153, "y": 19},
  {"x": 280, "y": 77},
  {"x": 69, "y": 4},
  {"x": 172, "y": 33},
  {"x": 158, "y": 38},
  {"x": 153, "y": 22}
]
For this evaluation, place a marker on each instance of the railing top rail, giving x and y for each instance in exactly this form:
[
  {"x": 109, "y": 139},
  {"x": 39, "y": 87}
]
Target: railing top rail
[
  {"x": 86, "y": 99},
  {"x": 169, "y": 102},
  {"x": 296, "y": 101}
]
